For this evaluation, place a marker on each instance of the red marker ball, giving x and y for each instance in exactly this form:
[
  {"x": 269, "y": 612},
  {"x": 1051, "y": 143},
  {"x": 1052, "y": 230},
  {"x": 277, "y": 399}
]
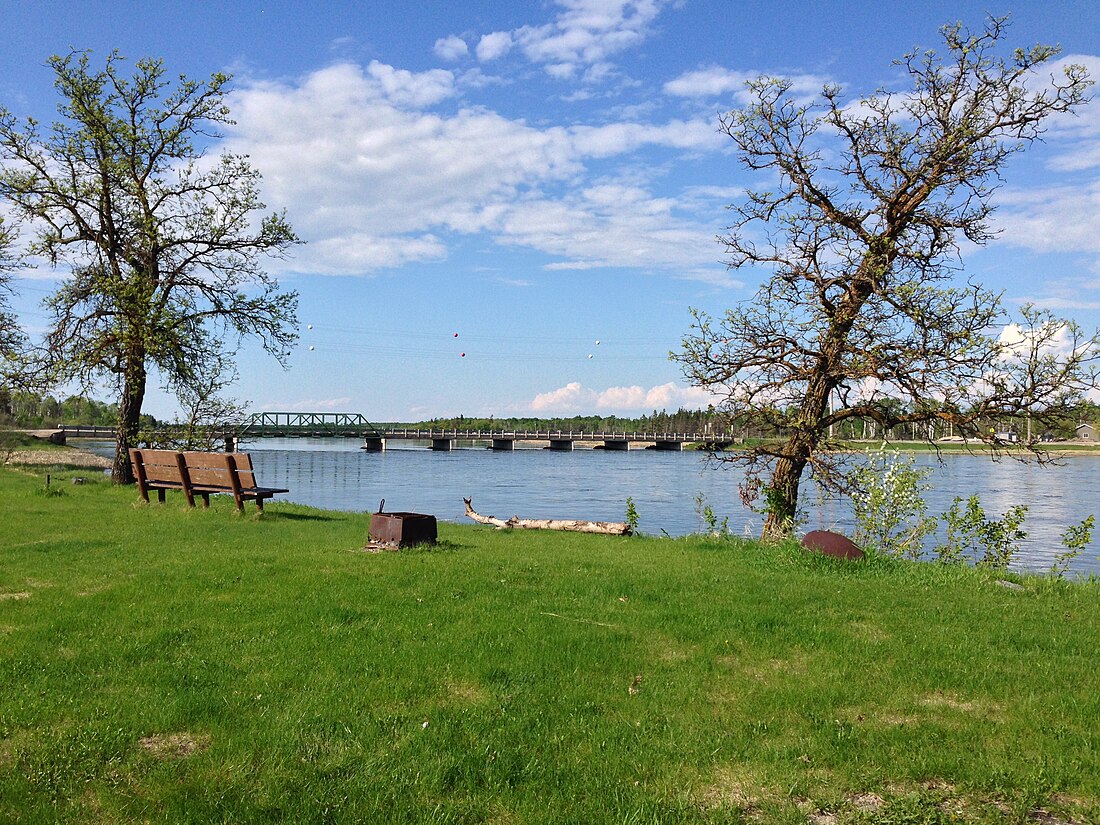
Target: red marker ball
[
  {"x": 456, "y": 335},
  {"x": 463, "y": 355}
]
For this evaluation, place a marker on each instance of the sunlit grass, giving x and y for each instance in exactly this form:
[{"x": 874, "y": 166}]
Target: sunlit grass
[{"x": 172, "y": 665}]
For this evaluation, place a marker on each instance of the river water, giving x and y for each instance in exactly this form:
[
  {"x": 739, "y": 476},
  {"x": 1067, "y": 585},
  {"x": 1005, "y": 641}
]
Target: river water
[{"x": 594, "y": 484}]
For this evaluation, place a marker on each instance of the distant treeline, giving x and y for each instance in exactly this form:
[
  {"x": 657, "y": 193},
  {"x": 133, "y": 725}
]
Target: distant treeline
[
  {"x": 704, "y": 421},
  {"x": 681, "y": 421},
  {"x": 31, "y": 411}
]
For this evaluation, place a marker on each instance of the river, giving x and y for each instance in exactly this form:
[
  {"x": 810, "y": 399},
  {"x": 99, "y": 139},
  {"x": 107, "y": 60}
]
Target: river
[{"x": 595, "y": 484}]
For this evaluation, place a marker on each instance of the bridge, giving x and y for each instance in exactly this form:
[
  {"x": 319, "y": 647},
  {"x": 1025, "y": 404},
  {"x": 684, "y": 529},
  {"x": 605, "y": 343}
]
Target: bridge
[{"x": 376, "y": 436}]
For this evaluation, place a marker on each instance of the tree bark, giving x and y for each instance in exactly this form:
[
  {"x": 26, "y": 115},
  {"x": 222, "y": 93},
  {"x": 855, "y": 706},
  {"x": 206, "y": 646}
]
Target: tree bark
[
  {"x": 129, "y": 417},
  {"x": 612, "y": 528}
]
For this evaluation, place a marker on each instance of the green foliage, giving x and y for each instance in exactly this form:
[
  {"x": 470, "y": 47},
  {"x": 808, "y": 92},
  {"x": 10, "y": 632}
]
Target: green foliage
[
  {"x": 987, "y": 541},
  {"x": 888, "y": 499},
  {"x": 1075, "y": 539},
  {"x": 631, "y": 515},
  {"x": 164, "y": 244},
  {"x": 35, "y": 411},
  {"x": 709, "y": 519},
  {"x": 680, "y": 421}
]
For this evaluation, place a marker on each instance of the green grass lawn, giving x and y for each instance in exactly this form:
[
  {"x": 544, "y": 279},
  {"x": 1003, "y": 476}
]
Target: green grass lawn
[{"x": 165, "y": 665}]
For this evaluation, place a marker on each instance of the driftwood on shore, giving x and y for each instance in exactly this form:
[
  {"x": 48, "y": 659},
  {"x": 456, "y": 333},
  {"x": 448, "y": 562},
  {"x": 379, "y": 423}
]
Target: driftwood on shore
[{"x": 612, "y": 528}]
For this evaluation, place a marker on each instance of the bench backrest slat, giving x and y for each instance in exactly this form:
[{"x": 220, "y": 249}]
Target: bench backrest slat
[
  {"x": 207, "y": 468},
  {"x": 160, "y": 465},
  {"x": 213, "y": 468},
  {"x": 244, "y": 469}
]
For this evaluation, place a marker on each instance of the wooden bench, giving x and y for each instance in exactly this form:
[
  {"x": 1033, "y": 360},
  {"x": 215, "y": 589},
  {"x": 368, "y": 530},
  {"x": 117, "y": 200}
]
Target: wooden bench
[{"x": 199, "y": 474}]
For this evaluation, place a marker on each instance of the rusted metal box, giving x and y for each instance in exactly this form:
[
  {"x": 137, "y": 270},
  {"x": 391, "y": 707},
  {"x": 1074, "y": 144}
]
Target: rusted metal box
[{"x": 402, "y": 529}]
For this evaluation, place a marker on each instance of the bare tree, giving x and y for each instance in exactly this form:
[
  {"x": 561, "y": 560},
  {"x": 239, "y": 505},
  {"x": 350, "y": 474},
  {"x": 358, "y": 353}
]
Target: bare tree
[
  {"x": 862, "y": 237},
  {"x": 164, "y": 244}
]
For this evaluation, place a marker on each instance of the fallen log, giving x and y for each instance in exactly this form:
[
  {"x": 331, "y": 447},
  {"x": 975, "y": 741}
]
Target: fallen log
[{"x": 611, "y": 528}]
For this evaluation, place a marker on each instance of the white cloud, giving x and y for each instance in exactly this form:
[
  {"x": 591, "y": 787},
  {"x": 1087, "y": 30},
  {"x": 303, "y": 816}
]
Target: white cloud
[
  {"x": 568, "y": 399},
  {"x": 494, "y": 46},
  {"x": 451, "y": 48},
  {"x": 715, "y": 81},
  {"x": 575, "y": 398},
  {"x": 1052, "y": 219},
  {"x": 415, "y": 90},
  {"x": 581, "y": 39},
  {"x": 373, "y": 179},
  {"x": 1075, "y": 136},
  {"x": 618, "y": 138}
]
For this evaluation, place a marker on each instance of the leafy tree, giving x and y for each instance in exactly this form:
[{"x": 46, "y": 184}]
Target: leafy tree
[
  {"x": 861, "y": 234},
  {"x": 164, "y": 243},
  {"x": 11, "y": 336}
]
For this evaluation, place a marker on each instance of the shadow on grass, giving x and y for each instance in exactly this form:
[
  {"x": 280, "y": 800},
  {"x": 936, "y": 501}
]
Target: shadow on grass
[{"x": 279, "y": 514}]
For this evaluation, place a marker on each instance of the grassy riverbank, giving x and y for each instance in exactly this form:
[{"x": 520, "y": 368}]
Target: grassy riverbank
[{"x": 165, "y": 665}]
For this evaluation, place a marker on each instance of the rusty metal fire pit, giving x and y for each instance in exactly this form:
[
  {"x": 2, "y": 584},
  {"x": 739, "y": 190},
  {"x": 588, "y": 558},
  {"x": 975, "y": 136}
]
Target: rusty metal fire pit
[{"x": 396, "y": 530}]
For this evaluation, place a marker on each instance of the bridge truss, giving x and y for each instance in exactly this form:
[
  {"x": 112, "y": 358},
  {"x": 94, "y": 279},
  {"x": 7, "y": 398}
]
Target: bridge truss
[{"x": 305, "y": 425}]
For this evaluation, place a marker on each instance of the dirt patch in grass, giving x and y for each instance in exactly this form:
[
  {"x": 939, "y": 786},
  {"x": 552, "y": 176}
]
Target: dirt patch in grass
[
  {"x": 66, "y": 456},
  {"x": 174, "y": 745},
  {"x": 14, "y": 597},
  {"x": 464, "y": 692},
  {"x": 948, "y": 701},
  {"x": 868, "y": 632},
  {"x": 730, "y": 788}
]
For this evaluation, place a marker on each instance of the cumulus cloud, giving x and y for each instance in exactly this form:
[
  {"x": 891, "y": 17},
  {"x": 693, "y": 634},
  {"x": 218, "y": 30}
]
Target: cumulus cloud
[
  {"x": 575, "y": 398},
  {"x": 374, "y": 178},
  {"x": 581, "y": 40},
  {"x": 415, "y": 90},
  {"x": 451, "y": 48},
  {"x": 494, "y": 46}
]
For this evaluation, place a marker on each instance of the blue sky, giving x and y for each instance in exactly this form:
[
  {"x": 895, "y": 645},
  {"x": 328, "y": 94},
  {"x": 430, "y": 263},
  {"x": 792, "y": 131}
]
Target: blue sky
[{"x": 537, "y": 177}]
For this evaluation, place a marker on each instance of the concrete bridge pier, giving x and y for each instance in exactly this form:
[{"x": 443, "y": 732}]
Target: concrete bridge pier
[
  {"x": 674, "y": 446},
  {"x": 374, "y": 445},
  {"x": 232, "y": 442},
  {"x": 618, "y": 445},
  {"x": 506, "y": 444},
  {"x": 443, "y": 444},
  {"x": 563, "y": 444}
]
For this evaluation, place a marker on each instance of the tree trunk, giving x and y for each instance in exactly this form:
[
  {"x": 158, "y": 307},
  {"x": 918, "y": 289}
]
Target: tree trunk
[
  {"x": 782, "y": 492},
  {"x": 782, "y": 496},
  {"x": 129, "y": 417}
]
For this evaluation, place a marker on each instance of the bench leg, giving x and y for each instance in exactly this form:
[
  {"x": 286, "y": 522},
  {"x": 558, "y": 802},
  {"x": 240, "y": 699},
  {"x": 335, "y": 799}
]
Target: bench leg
[
  {"x": 160, "y": 495},
  {"x": 205, "y": 500},
  {"x": 260, "y": 503}
]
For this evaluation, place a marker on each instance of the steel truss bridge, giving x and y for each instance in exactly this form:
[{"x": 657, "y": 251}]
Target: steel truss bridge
[{"x": 375, "y": 436}]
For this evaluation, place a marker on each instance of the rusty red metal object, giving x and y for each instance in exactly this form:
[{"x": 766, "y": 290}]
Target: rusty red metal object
[
  {"x": 402, "y": 529},
  {"x": 831, "y": 544}
]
